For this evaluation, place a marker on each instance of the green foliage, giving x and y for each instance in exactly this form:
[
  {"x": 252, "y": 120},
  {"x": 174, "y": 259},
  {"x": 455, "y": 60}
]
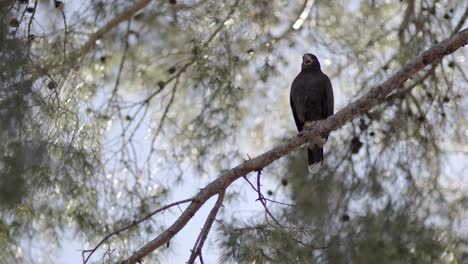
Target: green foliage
[{"x": 95, "y": 136}]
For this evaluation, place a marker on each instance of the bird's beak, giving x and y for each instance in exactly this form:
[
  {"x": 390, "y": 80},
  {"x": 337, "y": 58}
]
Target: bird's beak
[{"x": 308, "y": 60}]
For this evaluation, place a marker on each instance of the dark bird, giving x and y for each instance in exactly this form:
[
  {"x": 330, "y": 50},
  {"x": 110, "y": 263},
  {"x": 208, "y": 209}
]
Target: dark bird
[{"x": 312, "y": 100}]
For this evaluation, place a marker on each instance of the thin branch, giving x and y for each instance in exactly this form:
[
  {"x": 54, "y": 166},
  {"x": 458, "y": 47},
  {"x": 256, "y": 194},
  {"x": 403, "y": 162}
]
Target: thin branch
[
  {"x": 198, "y": 246},
  {"x": 304, "y": 14},
  {"x": 231, "y": 12},
  {"x": 113, "y": 23},
  {"x": 121, "y": 65},
  {"x": 263, "y": 197},
  {"x": 163, "y": 119},
  {"x": 163, "y": 84},
  {"x": 65, "y": 35},
  {"x": 32, "y": 18},
  {"x": 406, "y": 20},
  {"x": 292, "y": 27},
  {"x": 184, "y": 67},
  {"x": 134, "y": 223},
  {"x": 404, "y": 91},
  {"x": 358, "y": 107},
  {"x": 435, "y": 63},
  {"x": 461, "y": 22},
  {"x": 263, "y": 202}
]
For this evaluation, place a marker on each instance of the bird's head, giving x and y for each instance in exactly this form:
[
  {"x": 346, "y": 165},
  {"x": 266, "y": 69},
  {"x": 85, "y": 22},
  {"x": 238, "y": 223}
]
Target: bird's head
[{"x": 310, "y": 62}]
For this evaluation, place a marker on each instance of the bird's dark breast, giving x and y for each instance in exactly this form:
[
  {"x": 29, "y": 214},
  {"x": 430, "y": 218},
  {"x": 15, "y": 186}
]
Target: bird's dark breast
[{"x": 307, "y": 94}]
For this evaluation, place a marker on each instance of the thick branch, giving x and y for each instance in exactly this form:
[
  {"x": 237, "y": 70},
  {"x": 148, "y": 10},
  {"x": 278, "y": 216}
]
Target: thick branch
[{"x": 360, "y": 106}]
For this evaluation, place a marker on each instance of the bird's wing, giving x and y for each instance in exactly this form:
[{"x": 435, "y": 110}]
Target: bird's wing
[
  {"x": 296, "y": 119},
  {"x": 328, "y": 102}
]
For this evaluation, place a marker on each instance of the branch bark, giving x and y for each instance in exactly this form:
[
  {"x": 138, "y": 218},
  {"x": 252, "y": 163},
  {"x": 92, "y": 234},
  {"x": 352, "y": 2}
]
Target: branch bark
[{"x": 358, "y": 107}]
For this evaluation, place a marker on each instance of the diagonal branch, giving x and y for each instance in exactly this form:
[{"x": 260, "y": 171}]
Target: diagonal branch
[
  {"x": 84, "y": 49},
  {"x": 409, "y": 13},
  {"x": 297, "y": 23},
  {"x": 197, "y": 248},
  {"x": 134, "y": 223},
  {"x": 358, "y": 107},
  {"x": 461, "y": 21}
]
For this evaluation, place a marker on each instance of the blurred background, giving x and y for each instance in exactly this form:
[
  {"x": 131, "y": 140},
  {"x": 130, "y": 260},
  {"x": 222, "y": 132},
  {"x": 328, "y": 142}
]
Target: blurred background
[{"x": 97, "y": 130}]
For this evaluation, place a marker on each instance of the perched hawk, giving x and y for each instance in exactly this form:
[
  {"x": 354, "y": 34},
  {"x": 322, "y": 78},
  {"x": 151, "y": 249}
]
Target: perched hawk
[{"x": 311, "y": 100}]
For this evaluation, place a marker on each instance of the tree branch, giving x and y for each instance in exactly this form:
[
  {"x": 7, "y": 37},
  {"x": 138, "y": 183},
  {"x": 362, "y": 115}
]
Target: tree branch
[
  {"x": 358, "y": 107},
  {"x": 292, "y": 27},
  {"x": 406, "y": 20},
  {"x": 197, "y": 248},
  {"x": 262, "y": 200},
  {"x": 134, "y": 223},
  {"x": 124, "y": 16}
]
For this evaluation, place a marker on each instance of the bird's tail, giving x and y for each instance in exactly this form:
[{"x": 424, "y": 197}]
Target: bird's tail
[{"x": 315, "y": 156}]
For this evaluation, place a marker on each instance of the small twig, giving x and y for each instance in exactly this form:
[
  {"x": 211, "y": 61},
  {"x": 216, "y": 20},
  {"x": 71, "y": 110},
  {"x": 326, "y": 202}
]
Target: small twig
[
  {"x": 285, "y": 231},
  {"x": 134, "y": 223},
  {"x": 231, "y": 12},
  {"x": 32, "y": 18},
  {"x": 263, "y": 201},
  {"x": 64, "y": 37},
  {"x": 251, "y": 185},
  {"x": 409, "y": 13},
  {"x": 121, "y": 65},
  {"x": 119, "y": 18},
  {"x": 163, "y": 117},
  {"x": 461, "y": 22},
  {"x": 263, "y": 197},
  {"x": 291, "y": 27},
  {"x": 165, "y": 83},
  {"x": 276, "y": 202},
  {"x": 184, "y": 67},
  {"x": 198, "y": 246}
]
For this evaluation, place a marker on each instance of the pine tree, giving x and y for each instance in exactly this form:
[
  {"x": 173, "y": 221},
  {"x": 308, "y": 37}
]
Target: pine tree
[{"x": 111, "y": 110}]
